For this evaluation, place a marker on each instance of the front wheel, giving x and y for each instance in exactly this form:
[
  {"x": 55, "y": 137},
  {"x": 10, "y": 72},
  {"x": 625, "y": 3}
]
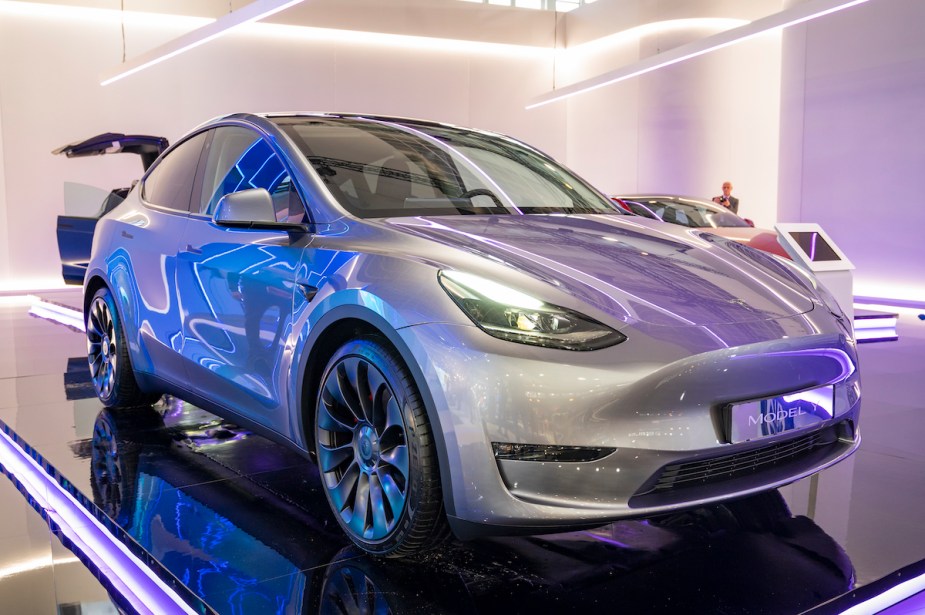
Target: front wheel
[
  {"x": 107, "y": 352},
  {"x": 376, "y": 452}
]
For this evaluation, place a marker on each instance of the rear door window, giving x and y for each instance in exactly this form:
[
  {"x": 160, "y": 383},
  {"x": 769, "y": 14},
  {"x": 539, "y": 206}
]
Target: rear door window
[{"x": 170, "y": 182}]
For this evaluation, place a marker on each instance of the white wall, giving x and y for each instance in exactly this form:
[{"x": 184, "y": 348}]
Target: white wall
[
  {"x": 684, "y": 129},
  {"x": 4, "y": 245},
  {"x": 50, "y": 95},
  {"x": 852, "y": 152},
  {"x": 825, "y": 125}
]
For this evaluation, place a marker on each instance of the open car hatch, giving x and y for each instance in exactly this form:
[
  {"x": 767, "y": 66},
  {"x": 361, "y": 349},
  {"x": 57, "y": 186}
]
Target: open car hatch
[
  {"x": 146, "y": 146},
  {"x": 75, "y": 233}
]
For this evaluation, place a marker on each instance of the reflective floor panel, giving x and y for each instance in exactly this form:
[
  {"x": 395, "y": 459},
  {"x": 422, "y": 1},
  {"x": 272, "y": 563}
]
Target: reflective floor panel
[{"x": 243, "y": 524}]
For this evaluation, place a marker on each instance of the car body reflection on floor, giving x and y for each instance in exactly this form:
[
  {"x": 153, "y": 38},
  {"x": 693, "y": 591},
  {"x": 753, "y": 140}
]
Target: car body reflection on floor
[{"x": 243, "y": 523}]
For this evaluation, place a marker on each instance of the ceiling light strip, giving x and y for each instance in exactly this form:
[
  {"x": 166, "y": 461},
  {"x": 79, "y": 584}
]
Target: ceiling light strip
[
  {"x": 790, "y": 17},
  {"x": 255, "y": 11}
]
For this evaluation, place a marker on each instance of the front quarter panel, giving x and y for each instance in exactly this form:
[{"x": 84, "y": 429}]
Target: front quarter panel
[{"x": 388, "y": 293}]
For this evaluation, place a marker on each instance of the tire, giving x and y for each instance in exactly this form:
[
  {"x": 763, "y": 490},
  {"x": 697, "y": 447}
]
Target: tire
[
  {"x": 107, "y": 352},
  {"x": 376, "y": 452}
]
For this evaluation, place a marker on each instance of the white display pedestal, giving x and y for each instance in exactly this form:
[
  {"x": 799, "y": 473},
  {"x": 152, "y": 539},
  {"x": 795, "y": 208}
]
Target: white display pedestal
[
  {"x": 841, "y": 285},
  {"x": 811, "y": 248}
]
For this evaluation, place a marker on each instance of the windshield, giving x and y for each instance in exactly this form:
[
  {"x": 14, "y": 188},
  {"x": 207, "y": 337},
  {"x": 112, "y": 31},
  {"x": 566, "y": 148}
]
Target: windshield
[
  {"x": 380, "y": 168},
  {"x": 684, "y": 212}
]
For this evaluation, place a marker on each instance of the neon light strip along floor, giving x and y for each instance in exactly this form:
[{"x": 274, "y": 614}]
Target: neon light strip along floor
[{"x": 130, "y": 580}]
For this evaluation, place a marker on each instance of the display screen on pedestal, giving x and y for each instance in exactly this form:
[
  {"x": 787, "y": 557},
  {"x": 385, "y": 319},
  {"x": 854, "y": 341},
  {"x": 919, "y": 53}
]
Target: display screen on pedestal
[
  {"x": 815, "y": 246},
  {"x": 809, "y": 245}
]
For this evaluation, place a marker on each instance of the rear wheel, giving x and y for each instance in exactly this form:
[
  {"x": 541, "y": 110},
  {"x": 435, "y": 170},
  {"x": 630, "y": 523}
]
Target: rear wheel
[
  {"x": 376, "y": 452},
  {"x": 107, "y": 352}
]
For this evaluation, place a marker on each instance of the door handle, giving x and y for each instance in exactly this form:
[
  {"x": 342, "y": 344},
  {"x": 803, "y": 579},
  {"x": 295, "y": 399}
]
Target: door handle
[{"x": 192, "y": 250}]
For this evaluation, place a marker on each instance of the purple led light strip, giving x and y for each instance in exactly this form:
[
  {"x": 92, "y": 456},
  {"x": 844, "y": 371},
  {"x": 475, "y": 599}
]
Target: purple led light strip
[
  {"x": 128, "y": 576},
  {"x": 812, "y": 247},
  {"x": 895, "y": 595},
  {"x": 68, "y": 316}
]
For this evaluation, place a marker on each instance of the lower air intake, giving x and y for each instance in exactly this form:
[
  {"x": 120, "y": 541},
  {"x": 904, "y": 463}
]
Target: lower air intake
[
  {"x": 706, "y": 471},
  {"x": 744, "y": 468}
]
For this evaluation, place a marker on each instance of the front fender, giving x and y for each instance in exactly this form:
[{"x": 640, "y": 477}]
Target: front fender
[{"x": 376, "y": 314}]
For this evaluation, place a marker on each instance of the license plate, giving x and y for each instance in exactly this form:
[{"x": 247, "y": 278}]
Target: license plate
[{"x": 769, "y": 417}]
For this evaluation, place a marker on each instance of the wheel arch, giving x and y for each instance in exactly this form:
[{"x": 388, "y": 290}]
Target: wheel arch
[
  {"x": 138, "y": 355},
  {"x": 334, "y": 329},
  {"x": 91, "y": 286},
  {"x": 131, "y": 388}
]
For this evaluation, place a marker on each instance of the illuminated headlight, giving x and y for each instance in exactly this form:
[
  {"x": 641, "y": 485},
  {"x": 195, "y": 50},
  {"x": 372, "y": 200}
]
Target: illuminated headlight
[{"x": 511, "y": 315}]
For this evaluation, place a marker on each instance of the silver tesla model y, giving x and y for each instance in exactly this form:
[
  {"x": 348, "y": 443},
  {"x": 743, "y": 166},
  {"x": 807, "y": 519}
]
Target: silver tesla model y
[{"x": 463, "y": 334}]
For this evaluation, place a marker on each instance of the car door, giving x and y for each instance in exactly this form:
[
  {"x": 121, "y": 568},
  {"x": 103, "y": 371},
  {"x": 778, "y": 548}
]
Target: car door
[
  {"x": 236, "y": 284},
  {"x": 142, "y": 258}
]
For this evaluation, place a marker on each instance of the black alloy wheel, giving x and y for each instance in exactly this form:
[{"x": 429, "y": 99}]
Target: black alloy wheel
[
  {"x": 376, "y": 452},
  {"x": 107, "y": 353}
]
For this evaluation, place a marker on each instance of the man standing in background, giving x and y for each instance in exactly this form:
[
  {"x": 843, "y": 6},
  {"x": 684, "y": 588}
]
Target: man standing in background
[{"x": 726, "y": 199}]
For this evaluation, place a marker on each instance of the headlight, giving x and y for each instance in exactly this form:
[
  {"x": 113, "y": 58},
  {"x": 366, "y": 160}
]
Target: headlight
[{"x": 512, "y": 315}]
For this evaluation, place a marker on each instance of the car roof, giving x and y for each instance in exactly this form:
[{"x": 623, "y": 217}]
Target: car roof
[{"x": 260, "y": 118}]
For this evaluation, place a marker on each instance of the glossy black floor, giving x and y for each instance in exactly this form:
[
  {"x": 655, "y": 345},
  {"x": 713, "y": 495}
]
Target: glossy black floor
[{"x": 243, "y": 524}]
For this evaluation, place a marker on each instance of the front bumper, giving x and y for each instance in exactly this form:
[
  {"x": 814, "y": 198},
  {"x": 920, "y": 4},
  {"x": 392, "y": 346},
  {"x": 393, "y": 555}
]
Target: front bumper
[
  {"x": 659, "y": 405},
  {"x": 636, "y": 481}
]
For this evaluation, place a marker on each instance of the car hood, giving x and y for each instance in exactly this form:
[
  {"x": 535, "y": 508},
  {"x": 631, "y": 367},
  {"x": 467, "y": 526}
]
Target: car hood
[
  {"x": 633, "y": 269},
  {"x": 758, "y": 238}
]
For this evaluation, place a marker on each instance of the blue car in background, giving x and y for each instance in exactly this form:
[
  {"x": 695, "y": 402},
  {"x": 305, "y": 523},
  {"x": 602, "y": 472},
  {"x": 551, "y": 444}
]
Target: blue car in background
[{"x": 466, "y": 336}]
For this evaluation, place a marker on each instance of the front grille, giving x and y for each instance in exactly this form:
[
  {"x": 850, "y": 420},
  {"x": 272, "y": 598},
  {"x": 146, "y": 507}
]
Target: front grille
[
  {"x": 701, "y": 477},
  {"x": 717, "y": 469}
]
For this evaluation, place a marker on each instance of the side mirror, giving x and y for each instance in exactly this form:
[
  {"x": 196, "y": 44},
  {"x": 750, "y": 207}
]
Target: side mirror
[
  {"x": 246, "y": 206},
  {"x": 252, "y": 208}
]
